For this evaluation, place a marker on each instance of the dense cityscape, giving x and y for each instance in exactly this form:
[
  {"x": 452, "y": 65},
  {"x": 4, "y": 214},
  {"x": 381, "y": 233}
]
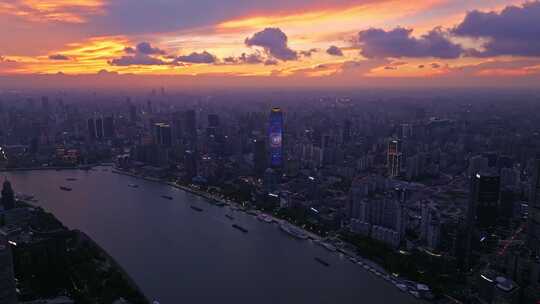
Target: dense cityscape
[
  {"x": 269, "y": 152},
  {"x": 436, "y": 195}
]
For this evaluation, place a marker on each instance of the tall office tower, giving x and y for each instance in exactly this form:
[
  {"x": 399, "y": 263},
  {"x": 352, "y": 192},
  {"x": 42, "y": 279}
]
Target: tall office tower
[
  {"x": 394, "y": 157},
  {"x": 213, "y": 126},
  {"x": 8, "y": 196},
  {"x": 163, "y": 134},
  {"x": 485, "y": 192},
  {"x": 108, "y": 127},
  {"x": 533, "y": 227},
  {"x": 406, "y": 131},
  {"x": 190, "y": 165},
  {"x": 149, "y": 108},
  {"x": 45, "y": 104},
  {"x": 275, "y": 134},
  {"x": 8, "y": 294},
  {"x": 213, "y": 120},
  {"x": 190, "y": 128},
  {"x": 91, "y": 129},
  {"x": 132, "y": 113},
  {"x": 477, "y": 164},
  {"x": 99, "y": 128},
  {"x": 347, "y": 131},
  {"x": 481, "y": 211},
  {"x": 259, "y": 156}
]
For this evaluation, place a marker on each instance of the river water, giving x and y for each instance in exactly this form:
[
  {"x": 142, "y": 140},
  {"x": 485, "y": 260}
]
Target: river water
[{"x": 178, "y": 255}]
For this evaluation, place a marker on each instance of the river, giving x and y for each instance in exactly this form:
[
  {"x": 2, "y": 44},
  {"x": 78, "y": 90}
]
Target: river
[{"x": 178, "y": 255}]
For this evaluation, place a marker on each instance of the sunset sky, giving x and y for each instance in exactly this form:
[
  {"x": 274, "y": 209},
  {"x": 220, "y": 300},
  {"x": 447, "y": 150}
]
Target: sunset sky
[{"x": 312, "y": 42}]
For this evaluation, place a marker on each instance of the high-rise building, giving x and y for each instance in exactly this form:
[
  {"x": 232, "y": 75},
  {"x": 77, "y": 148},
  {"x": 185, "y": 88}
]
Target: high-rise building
[
  {"x": 190, "y": 165},
  {"x": 212, "y": 130},
  {"x": 108, "y": 127},
  {"x": 259, "y": 156},
  {"x": 99, "y": 128},
  {"x": 275, "y": 134},
  {"x": 213, "y": 120},
  {"x": 485, "y": 192},
  {"x": 347, "y": 131},
  {"x": 163, "y": 134},
  {"x": 8, "y": 294},
  {"x": 394, "y": 158},
  {"x": 533, "y": 227},
  {"x": 91, "y": 129},
  {"x": 190, "y": 128},
  {"x": 8, "y": 196}
]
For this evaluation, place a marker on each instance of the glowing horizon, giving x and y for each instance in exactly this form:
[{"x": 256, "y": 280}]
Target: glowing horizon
[{"x": 349, "y": 40}]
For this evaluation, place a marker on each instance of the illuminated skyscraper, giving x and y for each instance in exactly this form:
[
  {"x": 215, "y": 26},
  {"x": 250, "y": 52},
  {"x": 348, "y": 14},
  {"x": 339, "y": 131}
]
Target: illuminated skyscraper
[
  {"x": 275, "y": 135},
  {"x": 394, "y": 157}
]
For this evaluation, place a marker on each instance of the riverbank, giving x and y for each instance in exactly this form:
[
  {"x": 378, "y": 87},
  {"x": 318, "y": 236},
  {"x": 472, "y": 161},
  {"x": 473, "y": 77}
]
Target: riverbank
[
  {"x": 338, "y": 247},
  {"x": 50, "y": 260},
  {"x": 44, "y": 168},
  {"x": 172, "y": 252}
]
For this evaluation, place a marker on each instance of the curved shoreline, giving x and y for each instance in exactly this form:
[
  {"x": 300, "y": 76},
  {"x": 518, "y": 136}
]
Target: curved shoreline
[
  {"x": 374, "y": 268},
  {"x": 367, "y": 264},
  {"x": 83, "y": 236}
]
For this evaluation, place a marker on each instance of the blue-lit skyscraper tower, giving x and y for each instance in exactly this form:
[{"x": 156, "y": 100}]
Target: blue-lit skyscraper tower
[{"x": 275, "y": 134}]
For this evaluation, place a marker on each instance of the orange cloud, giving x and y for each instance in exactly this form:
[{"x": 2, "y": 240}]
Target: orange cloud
[
  {"x": 328, "y": 19},
  {"x": 70, "y": 11}
]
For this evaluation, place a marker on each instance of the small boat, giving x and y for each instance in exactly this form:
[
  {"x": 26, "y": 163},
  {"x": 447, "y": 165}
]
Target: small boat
[
  {"x": 65, "y": 188},
  {"x": 167, "y": 197},
  {"x": 402, "y": 287},
  {"x": 229, "y": 216},
  {"x": 251, "y": 212},
  {"x": 133, "y": 185},
  {"x": 221, "y": 204},
  {"x": 244, "y": 230},
  {"x": 293, "y": 231},
  {"x": 328, "y": 246},
  {"x": 322, "y": 262},
  {"x": 197, "y": 209},
  {"x": 71, "y": 179}
]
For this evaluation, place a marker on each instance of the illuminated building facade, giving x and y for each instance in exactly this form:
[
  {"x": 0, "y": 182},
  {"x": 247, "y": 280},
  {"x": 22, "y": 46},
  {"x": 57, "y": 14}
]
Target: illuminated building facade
[{"x": 276, "y": 138}]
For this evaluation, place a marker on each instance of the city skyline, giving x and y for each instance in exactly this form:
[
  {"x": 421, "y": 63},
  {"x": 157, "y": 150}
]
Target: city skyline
[{"x": 226, "y": 44}]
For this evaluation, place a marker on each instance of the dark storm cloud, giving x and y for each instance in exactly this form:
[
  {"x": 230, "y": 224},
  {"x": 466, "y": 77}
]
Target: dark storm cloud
[
  {"x": 270, "y": 62},
  {"x": 129, "y": 50},
  {"x": 147, "y": 49},
  {"x": 274, "y": 42},
  {"x": 203, "y": 57},
  {"x": 139, "y": 59},
  {"x": 253, "y": 58},
  {"x": 334, "y": 51},
  {"x": 308, "y": 53},
  {"x": 513, "y": 31},
  {"x": 397, "y": 43},
  {"x": 58, "y": 57},
  {"x": 142, "y": 54}
]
